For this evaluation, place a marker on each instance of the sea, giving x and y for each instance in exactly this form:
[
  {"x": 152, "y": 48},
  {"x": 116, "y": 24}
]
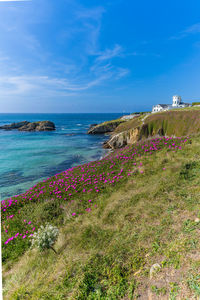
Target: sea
[{"x": 29, "y": 157}]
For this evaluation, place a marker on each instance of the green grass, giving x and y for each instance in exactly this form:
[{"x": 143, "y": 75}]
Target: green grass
[
  {"x": 130, "y": 124},
  {"x": 112, "y": 122},
  {"x": 172, "y": 123},
  {"x": 107, "y": 253}
]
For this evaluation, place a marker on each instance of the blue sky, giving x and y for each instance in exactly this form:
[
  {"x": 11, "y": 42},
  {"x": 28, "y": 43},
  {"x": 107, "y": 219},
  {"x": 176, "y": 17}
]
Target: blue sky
[{"x": 97, "y": 56}]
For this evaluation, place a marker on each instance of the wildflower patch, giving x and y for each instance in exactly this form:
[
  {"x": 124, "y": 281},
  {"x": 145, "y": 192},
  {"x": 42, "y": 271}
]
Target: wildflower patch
[{"x": 77, "y": 189}]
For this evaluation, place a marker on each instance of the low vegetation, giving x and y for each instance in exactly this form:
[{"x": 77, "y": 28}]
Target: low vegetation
[
  {"x": 195, "y": 103},
  {"x": 135, "y": 122},
  {"x": 172, "y": 123},
  {"x": 140, "y": 207}
]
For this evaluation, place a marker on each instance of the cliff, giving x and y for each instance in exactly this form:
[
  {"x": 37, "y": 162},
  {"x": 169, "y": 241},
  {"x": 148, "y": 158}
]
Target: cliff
[{"x": 170, "y": 123}]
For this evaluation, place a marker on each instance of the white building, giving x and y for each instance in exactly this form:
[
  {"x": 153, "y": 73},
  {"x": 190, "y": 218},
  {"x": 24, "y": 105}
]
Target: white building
[{"x": 176, "y": 103}]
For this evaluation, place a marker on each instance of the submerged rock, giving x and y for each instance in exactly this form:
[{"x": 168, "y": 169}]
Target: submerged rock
[{"x": 30, "y": 126}]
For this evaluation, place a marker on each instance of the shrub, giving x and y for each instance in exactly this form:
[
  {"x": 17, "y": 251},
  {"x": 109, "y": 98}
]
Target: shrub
[
  {"x": 45, "y": 238},
  {"x": 189, "y": 170}
]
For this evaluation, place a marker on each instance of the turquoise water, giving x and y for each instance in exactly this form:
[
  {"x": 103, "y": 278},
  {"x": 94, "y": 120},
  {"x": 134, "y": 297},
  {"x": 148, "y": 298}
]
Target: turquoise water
[{"x": 29, "y": 157}]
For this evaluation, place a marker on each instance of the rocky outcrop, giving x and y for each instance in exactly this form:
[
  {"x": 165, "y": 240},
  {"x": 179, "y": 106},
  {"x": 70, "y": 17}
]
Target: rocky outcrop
[
  {"x": 30, "y": 126},
  {"x": 14, "y": 125},
  {"x": 123, "y": 138},
  {"x": 91, "y": 126},
  {"x": 105, "y": 127},
  {"x": 38, "y": 126}
]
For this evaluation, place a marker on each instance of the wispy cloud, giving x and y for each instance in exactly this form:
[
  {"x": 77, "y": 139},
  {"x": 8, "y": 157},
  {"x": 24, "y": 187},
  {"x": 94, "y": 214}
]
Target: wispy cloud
[
  {"x": 92, "y": 13},
  {"x": 193, "y": 29},
  {"x": 41, "y": 73},
  {"x": 110, "y": 53},
  {"x": 3, "y": 57},
  {"x": 53, "y": 86}
]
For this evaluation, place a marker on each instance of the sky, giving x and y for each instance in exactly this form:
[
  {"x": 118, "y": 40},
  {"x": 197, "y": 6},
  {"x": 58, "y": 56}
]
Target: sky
[{"x": 97, "y": 56}]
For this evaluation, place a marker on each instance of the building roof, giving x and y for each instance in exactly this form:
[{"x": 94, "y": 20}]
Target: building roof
[
  {"x": 164, "y": 105},
  {"x": 185, "y": 103}
]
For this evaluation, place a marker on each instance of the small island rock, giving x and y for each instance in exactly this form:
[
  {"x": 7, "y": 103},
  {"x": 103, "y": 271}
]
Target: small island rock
[{"x": 30, "y": 126}]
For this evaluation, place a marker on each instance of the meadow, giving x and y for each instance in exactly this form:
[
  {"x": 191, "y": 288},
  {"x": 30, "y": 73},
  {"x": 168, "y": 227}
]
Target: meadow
[{"x": 116, "y": 217}]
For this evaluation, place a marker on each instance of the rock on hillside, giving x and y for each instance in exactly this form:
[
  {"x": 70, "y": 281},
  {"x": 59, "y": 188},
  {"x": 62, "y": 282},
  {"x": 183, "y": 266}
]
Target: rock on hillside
[
  {"x": 30, "y": 126},
  {"x": 105, "y": 127},
  {"x": 122, "y": 139}
]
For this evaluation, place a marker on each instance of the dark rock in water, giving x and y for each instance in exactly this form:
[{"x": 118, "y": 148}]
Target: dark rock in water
[
  {"x": 92, "y": 125},
  {"x": 38, "y": 126},
  {"x": 30, "y": 126},
  {"x": 14, "y": 125}
]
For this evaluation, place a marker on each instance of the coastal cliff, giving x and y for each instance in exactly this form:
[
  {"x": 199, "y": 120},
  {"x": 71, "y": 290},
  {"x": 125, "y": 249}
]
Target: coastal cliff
[
  {"x": 170, "y": 123},
  {"x": 124, "y": 138}
]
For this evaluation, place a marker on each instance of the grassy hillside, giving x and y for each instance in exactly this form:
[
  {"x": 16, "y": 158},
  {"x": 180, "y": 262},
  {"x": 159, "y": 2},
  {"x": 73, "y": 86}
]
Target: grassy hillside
[
  {"x": 174, "y": 122},
  {"x": 105, "y": 127},
  {"x": 137, "y": 121},
  {"x": 143, "y": 209}
]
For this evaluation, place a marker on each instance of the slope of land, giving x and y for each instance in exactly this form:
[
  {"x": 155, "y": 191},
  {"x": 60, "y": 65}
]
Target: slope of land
[
  {"x": 105, "y": 127},
  {"x": 117, "y": 217},
  {"x": 178, "y": 122}
]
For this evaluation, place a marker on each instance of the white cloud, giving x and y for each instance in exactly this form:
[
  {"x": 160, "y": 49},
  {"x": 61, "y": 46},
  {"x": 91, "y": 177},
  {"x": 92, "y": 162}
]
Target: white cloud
[
  {"x": 45, "y": 85},
  {"x": 193, "y": 29},
  {"x": 82, "y": 68}
]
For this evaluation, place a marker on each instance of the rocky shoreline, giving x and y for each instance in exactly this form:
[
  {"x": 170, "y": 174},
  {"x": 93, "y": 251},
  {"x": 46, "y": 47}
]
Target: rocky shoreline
[
  {"x": 116, "y": 140},
  {"x": 145, "y": 126}
]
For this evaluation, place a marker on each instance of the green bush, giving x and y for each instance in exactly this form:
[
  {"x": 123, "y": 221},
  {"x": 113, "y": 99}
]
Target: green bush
[{"x": 189, "y": 170}]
